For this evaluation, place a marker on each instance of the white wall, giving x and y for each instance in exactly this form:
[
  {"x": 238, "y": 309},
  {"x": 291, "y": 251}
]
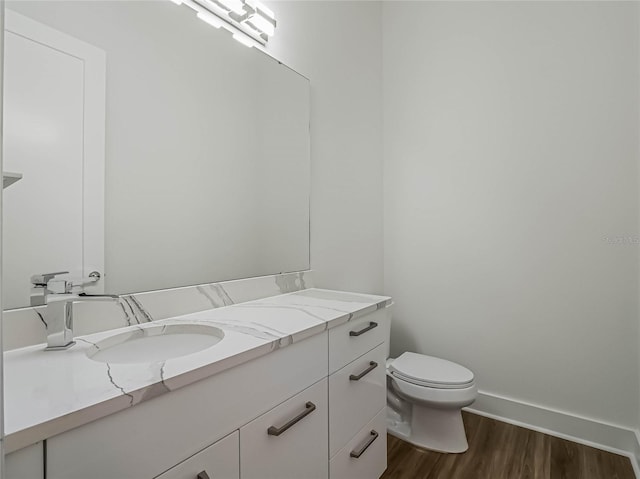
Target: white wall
[
  {"x": 510, "y": 156},
  {"x": 337, "y": 45}
]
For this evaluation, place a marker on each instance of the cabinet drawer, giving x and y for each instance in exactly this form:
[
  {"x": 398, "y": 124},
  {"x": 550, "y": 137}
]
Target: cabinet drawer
[
  {"x": 356, "y": 393},
  {"x": 220, "y": 461},
  {"x": 290, "y": 441},
  {"x": 353, "y": 339},
  {"x": 370, "y": 444}
]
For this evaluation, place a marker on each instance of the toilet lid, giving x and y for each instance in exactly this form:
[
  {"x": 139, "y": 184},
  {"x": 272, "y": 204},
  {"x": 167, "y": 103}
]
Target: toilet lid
[{"x": 430, "y": 372}]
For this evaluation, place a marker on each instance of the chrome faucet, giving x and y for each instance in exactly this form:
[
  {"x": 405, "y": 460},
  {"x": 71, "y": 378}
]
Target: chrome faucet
[
  {"x": 58, "y": 315},
  {"x": 59, "y": 319},
  {"x": 42, "y": 285}
]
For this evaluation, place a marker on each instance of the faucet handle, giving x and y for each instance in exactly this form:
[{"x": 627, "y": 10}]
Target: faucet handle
[
  {"x": 93, "y": 278},
  {"x": 43, "y": 278}
]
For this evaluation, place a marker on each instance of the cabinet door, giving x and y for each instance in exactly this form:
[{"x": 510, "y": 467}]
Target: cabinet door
[
  {"x": 365, "y": 456},
  {"x": 290, "y": 441},
  {"x": 27, "y": 463},
  {"x": 219, "y": 461},
  {"x": 356, "y": 393}
]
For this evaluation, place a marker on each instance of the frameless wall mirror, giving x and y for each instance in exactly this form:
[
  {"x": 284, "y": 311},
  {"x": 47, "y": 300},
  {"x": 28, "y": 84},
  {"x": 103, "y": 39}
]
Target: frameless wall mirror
[{"x": 203, "y": 144}]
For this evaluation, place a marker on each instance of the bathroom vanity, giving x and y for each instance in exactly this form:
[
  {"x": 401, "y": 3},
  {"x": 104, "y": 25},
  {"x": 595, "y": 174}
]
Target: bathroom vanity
[{"x": 295, "y": 389}]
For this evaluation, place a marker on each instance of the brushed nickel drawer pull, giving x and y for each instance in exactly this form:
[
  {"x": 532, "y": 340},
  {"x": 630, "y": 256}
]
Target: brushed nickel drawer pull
[
  {"x": 202, "y": 475},
  {"x": 362, "y": 331},
  {"x": 372, "y": 366},
  {"x": 357, "y": 454},
  {"x": 276, "y": 431}
]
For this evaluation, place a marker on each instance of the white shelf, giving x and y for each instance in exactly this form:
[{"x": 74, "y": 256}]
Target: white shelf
[{"x": 9, "y": 178}]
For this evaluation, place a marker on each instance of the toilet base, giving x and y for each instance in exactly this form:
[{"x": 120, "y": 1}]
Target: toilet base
[{"x": 440, "y": 430}]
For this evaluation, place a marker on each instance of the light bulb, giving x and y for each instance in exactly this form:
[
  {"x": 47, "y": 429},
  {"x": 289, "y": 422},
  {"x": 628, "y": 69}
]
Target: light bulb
[
  {"x": 210, "y": 19},
  {"x": 261, "y": 24}
]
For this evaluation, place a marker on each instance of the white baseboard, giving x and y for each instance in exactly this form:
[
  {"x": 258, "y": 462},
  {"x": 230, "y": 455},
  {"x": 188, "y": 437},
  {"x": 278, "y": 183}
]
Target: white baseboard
[{"x": 601, "y": 435}]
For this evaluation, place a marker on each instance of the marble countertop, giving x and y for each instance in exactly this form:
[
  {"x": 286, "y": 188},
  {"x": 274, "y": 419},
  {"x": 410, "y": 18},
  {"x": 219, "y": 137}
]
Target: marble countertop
[{"x": 47, "y": 393}]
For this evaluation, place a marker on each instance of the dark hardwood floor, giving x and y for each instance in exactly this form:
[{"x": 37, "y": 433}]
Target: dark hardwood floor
[{"x": 502, "y": 451}]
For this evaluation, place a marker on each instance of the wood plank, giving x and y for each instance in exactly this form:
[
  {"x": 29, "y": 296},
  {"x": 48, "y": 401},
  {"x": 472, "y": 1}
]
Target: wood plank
[
  {"x": 479, "y": 460},
  {"x": 405, "y": 462},
  {"x": 537, "y": 464},
  {"x": 499, "y": 450},
  {"x": 567, "y": 459}
]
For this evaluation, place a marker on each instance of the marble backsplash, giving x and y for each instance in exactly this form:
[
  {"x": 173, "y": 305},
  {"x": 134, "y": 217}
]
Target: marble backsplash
[{"x": 26, "y": 326}]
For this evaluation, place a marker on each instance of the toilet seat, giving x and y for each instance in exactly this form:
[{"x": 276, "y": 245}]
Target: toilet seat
[{"x": 427, "y": 371}]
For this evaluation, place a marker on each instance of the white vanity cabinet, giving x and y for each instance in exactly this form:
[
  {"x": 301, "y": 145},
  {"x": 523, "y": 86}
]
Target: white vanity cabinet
[
  {"x": 219, "y": 461},
  {"x": 357, "y": 397},
  {"x": 314, "y": 409}
]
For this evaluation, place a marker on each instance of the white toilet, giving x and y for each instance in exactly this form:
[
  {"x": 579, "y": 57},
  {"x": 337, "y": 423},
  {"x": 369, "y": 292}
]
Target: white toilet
[{"x": 425, "y": 396}]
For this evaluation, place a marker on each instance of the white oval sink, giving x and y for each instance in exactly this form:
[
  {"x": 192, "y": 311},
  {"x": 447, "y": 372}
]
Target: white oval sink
[{"x": 155, "y": 343}]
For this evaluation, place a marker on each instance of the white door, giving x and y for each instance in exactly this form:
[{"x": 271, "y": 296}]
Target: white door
[{"x": 54, "y": 136}]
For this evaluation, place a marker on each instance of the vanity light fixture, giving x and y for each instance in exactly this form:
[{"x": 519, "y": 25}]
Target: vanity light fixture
[{"x": 248, "y": 20}]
